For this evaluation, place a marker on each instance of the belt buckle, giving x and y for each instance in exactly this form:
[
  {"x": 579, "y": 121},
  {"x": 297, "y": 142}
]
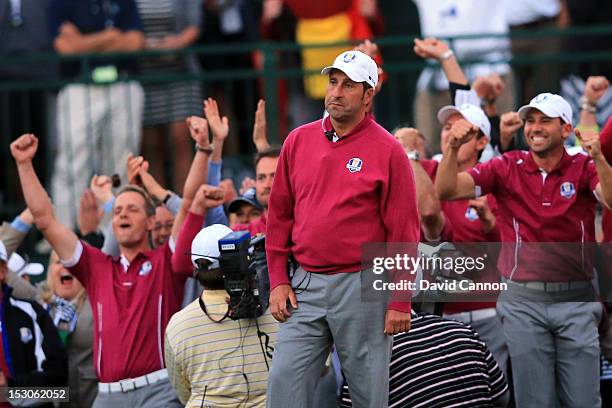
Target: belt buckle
[{"x": 129, "y": 387}]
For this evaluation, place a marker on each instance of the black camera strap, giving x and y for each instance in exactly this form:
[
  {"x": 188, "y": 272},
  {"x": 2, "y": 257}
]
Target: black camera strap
[{"x": 203, "y": 307}]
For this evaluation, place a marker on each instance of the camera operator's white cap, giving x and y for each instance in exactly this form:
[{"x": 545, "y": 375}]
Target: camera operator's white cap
[
  {"x": 471, "y": 113},
  {"x": 17, "y": 264},
  {"x": 3, "y": 256},
  {"x": 552, "y": 105},
  {"x": 359, "y": 67},
  {"x": 206, "y": 244}
]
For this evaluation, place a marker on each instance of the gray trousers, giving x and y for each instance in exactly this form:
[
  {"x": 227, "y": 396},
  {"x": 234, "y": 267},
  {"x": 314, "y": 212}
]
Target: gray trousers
[
  {"x": 554, "y": 350},
  {"x": 158, "y": 395},
  {"x": 330, "y": 310}
]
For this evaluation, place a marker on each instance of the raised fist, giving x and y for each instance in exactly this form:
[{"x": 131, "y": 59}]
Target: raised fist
[
  {"x": 595, "y": 88},
  {"x": 24, "y": 148},
  {"x": 206, "y": 198},
  {"x": 198, "y": 129},
  {"x": 509, "y": 124},
  {"x": 489, "y": 87},
  {"x": 430, "y": 48},
  {"x": 102, "y": 188},
  {"x": 136, "y": 164},
  {"x": 460, "y": 133},
  {"x": 408, "y": 138},
  {"x": 589, "y": 141}
]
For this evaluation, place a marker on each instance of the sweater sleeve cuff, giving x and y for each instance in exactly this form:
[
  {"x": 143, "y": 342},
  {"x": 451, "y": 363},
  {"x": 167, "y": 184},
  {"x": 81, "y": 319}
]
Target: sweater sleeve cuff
[
  {"x": 174, "y": 203},
  {"x": 278, "y": 271},
  {"x": 405, "y": 307},
  {"x": 20, "y": 226},
  {"x": 76, "y": 256},
  {"x": 108, "y": 206},
  {"x": 214, "y": 173}
]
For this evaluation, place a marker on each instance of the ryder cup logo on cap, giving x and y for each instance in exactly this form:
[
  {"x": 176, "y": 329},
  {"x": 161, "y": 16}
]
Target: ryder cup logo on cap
[
  {"x": 349, "y": 57},
  {"x": 471, "y": 113},
  {"x": 551, "y": 105},
  {"x": 354, "y": 165},
  {"x": 567, "y": 189},
  {"x": 359, "y": 67}
]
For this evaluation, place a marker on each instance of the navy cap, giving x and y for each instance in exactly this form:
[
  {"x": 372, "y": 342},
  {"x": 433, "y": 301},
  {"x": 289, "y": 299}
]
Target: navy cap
[{"x": 249, "y": 197}]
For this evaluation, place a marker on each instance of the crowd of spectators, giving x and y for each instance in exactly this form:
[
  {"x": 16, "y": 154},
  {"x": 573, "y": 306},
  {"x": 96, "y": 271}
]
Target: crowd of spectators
[{"x": 133, "y": 309}]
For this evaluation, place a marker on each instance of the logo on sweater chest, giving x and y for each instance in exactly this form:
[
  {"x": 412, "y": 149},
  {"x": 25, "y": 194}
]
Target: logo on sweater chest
[
  {"x": 567, "y": 190},
  {"x": 354, "y": 165}
]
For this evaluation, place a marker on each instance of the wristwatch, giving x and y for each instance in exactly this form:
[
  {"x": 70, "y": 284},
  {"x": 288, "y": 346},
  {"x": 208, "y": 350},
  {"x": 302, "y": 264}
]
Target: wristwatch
[
  {"x": 447, "y": 54},
  {"x": 414, "y": 155},
  {"x": 207, "y": 149},
  {"x": 587, "y": 105}
]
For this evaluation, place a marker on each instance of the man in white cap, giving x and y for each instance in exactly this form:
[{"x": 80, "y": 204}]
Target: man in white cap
[
  {"x": 360, "y": 191},
  {"x": 544, "y": 196},
  {"x": 218, "y": 361},
  {"x": 462, "y": 220}
]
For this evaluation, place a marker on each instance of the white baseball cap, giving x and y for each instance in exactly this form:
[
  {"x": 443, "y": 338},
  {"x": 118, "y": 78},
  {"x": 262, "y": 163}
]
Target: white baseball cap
[
  {"x": 471, "y": 113},
  {"x": 359, "y": 67},
  {"x": 3, "y": 256},
  {"x": 17, "y": 264},
  {"x": 206, "y": 244},
  {"x": 552, "y": 105}
]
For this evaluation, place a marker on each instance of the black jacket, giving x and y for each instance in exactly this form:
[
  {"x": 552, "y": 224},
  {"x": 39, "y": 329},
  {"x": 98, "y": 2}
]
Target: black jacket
[{"x": 32, "y": 348}]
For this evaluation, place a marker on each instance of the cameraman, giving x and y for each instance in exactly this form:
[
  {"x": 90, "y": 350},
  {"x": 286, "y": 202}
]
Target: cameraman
[{"x": 211, "y": 359}]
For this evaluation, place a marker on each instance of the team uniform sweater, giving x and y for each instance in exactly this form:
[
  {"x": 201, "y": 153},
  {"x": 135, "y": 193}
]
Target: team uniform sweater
[{"x": 328, "y": 199}]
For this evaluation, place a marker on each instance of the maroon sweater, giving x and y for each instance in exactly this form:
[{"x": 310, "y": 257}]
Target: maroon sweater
[{"x": 330, "y": 198}]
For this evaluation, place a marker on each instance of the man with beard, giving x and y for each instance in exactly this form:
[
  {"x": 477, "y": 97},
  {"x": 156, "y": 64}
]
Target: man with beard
[{"x": 549, "y": 313}]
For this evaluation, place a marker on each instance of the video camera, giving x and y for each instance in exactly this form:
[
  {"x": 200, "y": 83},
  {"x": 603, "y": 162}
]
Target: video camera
[{"x": 245, "y": 274}]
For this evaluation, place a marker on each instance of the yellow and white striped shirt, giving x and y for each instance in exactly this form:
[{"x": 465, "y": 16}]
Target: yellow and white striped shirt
[{"x": 218, "y": 364}]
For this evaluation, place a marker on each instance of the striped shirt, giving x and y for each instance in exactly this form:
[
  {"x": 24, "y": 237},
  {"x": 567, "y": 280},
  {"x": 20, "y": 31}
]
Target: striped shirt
[
  {"x": 440, "y": 363},
  {"x": 218, "y": 364}
]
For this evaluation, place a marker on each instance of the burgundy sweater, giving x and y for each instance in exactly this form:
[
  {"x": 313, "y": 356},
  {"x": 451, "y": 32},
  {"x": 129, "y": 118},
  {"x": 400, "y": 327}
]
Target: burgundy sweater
[{"x": 330, "y": 198}]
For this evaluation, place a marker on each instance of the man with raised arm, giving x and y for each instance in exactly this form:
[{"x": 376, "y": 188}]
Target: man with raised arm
[
  {"x": 544, "y": 196},
  {"x": 132, "y": 296}
]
